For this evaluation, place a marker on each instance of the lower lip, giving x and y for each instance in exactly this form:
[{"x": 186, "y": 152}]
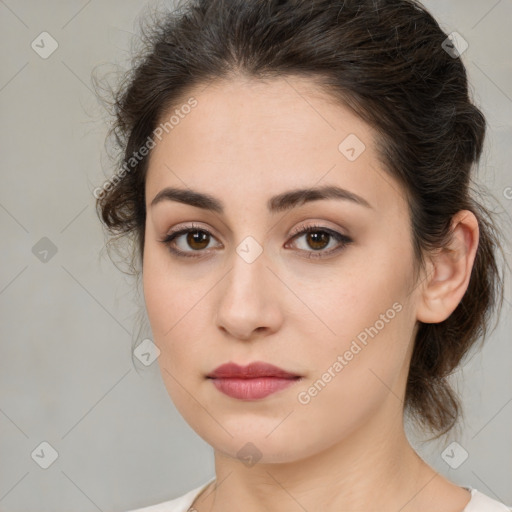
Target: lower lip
[{"x": 252, "y": 389}]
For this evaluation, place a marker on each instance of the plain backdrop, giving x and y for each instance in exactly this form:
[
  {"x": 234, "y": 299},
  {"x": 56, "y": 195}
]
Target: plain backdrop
[{"x": 68, "y": 315}]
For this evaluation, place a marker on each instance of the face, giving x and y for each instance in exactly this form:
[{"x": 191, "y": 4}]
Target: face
[{"x": 246, "y": 283}]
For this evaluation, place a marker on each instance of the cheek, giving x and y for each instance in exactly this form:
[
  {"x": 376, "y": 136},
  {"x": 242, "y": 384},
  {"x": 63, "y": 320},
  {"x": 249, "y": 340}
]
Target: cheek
[
  {"x": 368, "y": 346},
  {"x": 366, "y": 327},
  {"x": 168, "y": 296},
  {"x": 352, "y": 380},
  {"x": 177, "y": 312}
]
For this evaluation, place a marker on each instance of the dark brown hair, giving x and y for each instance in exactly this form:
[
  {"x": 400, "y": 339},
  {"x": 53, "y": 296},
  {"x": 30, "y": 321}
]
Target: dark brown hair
[{"x": 384, "y": 59}]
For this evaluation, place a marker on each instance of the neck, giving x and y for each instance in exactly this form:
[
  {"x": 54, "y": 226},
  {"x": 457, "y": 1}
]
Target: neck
[{"x": 372, "y": 465}]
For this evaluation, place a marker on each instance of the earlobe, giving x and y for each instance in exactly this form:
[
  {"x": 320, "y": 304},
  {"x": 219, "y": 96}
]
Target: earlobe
[{"x": 450, "y": 271}]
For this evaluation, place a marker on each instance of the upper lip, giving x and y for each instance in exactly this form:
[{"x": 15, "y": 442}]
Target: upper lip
[{"x": 251, "y": 371}]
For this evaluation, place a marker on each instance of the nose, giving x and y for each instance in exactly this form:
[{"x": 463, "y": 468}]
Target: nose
[{"x": 248, "y": 300}]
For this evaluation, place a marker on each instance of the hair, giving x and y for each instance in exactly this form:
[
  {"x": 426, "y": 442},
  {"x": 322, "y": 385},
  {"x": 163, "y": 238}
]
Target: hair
[{"x": 383, "y": 59}]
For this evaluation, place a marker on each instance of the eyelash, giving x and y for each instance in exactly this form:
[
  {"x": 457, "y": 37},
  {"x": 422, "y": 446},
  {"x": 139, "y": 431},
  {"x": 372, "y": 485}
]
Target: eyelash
[{"x": 302, "y": 230}]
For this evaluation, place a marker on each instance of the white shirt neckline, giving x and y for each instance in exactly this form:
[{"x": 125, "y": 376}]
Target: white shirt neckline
[{"x": 479, "y": 502}]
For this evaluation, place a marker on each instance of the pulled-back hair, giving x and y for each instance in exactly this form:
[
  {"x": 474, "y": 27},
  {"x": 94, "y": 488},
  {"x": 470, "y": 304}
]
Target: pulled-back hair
[{"x": 385, "y": 60}]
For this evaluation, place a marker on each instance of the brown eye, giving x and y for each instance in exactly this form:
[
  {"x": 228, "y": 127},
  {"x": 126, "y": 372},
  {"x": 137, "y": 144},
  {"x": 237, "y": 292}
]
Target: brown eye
[
  {"x": 196, "y": 239},
  {"x": 318, "y": 238}
]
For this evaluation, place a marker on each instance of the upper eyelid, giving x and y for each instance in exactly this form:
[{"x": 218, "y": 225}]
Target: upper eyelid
[
  {"x": 299, "y": 229},
  {"x": 306, "y": 227}
]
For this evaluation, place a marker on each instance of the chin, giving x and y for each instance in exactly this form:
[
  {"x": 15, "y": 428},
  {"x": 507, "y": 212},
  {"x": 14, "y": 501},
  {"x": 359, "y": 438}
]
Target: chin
[{"x": 263, "y": 444}]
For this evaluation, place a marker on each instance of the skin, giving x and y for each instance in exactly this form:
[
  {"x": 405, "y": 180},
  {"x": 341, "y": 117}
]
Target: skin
[{"x": 346, "y": 449}]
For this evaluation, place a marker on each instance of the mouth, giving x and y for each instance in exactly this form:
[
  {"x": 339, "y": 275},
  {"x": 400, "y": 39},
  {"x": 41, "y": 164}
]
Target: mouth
[{"x": 252, "y": 382}]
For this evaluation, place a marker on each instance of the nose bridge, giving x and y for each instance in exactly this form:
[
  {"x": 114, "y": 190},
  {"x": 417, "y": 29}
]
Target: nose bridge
[
  {"x": 248, "y": 271},
  {"x": 246, "y": 301}
]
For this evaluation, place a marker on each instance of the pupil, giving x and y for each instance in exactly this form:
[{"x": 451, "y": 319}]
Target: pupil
[
  {"x": 316, "y": 238},
  {"x": 195, "y": 237}
]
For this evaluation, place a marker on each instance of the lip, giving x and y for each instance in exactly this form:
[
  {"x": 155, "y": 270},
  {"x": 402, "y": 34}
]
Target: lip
[
  {"x": 254, "y": 381},
  {"x": 251, "y": 371}
]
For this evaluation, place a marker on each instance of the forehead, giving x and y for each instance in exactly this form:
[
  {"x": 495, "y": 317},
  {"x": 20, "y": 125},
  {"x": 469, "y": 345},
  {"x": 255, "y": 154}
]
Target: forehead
[
  {"x": 255, "y": 136},
  {"x": 252, "y": 113}
]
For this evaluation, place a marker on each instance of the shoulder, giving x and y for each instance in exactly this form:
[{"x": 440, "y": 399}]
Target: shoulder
[
  {"x": 480, "y": 502},
  {"x": 179, "y": 504}
]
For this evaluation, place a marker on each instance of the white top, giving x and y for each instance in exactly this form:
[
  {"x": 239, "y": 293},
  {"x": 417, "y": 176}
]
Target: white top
[{"x": 479, "y": 502}]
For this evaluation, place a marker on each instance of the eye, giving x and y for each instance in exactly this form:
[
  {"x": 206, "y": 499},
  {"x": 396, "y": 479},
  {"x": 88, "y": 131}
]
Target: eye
[
  {"x": 197, "y": 238},
  {"x": 317, "y": 237}
]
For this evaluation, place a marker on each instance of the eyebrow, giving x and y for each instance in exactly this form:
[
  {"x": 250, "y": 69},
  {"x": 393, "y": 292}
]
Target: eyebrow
[{"x": 276, "y": 204}]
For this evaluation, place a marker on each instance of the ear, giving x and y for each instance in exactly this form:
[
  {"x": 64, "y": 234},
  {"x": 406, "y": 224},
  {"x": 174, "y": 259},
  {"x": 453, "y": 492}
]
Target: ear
[{"x": 450, "y": 271}]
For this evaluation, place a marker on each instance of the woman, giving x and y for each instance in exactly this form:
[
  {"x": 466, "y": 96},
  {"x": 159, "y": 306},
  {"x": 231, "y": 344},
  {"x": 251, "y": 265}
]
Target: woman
[{"x": 295, "y": 175}]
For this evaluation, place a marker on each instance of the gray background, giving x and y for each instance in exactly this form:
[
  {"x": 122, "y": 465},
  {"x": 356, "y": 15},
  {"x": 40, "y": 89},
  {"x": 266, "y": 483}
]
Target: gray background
[{"x": 66, "y": 372}]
